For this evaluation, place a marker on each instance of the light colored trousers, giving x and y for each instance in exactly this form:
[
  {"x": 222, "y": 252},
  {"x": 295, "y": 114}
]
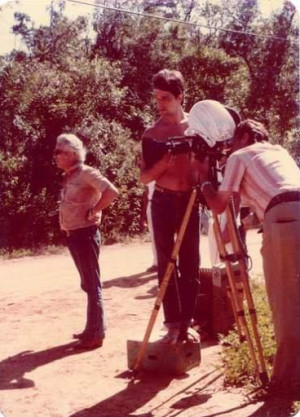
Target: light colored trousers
[
  {"x": 281, "y": 263},
  {"x": 150, "y": 228}
]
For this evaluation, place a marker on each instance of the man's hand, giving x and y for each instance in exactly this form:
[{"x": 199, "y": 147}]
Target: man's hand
[
  {"x": 93, "y": 215},
  {"x": 202, "y": 168},
  {"x": 167, "y": 161},
  {"x": 107, "y": 197},
  {"x": 153, "y": 173}
]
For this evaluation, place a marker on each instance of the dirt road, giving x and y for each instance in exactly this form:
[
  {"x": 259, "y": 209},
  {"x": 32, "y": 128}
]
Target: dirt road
[{"x": 40, "y": 374}]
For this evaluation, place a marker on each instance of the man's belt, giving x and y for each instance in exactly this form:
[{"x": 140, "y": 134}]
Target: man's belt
[
  {"x": 80, "y": 230},
  {"x": 286, "y": 197},
  {"x": 173, "y": 192}
]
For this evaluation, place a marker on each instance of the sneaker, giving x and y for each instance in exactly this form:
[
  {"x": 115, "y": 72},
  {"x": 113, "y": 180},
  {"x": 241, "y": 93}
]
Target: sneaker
[
  {"x": 79, "y": 335},
  {"x": 171, "y": 338},
  {"x": 88, "y": 344},
  {"x": 188, "y": 335}
]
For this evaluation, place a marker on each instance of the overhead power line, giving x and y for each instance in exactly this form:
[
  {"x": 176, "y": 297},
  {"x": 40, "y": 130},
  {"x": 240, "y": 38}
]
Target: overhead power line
[{"x": 182, "y": 22}]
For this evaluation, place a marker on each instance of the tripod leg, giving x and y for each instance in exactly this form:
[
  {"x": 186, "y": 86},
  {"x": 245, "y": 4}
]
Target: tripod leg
[
  {"x": 245, "y": 282},
  {"x": 237, "y": 322},
  {"x": 232, "y": 292},
  {"x": 237, "y": 302},
  {"x": 166, "y": 278}
]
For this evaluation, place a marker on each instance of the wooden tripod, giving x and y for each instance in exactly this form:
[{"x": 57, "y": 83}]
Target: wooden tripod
[
  {"x": 166, "y": 278},
  {"x": 255, "y": 348},
  {"x": 253, "y": 339}
]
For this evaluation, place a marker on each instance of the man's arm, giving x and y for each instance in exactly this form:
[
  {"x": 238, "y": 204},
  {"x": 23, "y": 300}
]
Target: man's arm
[
  {"x": 152, "y": 174},
  {"x": 107, "y": 197},
  {"x": 217, "y": 200}
]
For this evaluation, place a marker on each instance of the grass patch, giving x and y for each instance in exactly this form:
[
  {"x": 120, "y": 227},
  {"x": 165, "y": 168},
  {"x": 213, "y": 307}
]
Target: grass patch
[
  {"x": 236, "y": 358},
  {"x": 236, "y": 361}
]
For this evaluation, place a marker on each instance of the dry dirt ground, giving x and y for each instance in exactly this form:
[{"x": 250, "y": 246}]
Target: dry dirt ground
[{"x": 42, "y": 376}]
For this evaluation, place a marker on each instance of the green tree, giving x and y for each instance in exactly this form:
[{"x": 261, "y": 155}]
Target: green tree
[
  {"x": 101, "y": 88},
  {"x": 272, "y": 59},
  {"x": 42, "y": 95}
]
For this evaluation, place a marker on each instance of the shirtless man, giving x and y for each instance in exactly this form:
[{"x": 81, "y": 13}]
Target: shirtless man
[{"x": 175, "y": 177}]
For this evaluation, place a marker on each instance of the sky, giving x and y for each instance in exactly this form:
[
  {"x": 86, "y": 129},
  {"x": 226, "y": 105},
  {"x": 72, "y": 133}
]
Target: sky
[{"x": 37, "y": 10}]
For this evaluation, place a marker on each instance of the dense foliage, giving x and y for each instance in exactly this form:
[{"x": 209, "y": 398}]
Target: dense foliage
[{"x": 99, "y": 87}]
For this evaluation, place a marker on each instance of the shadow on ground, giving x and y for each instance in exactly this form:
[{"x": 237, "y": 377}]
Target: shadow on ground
[
  {"x": 13, "y": 368},
  {"x": 130, "y": 281},
  {"x": 275, "y": 407},
  {"x": 137, "y": 393}
]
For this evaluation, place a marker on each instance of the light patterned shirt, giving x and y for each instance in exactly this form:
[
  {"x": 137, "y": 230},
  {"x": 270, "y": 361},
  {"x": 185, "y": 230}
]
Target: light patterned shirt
[
  {"x": 259, "y": 172},
  {"x": 82, "y": 188}
]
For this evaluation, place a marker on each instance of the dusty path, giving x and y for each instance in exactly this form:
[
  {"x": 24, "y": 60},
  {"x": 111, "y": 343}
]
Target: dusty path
[{"x": 41, "y": 376}]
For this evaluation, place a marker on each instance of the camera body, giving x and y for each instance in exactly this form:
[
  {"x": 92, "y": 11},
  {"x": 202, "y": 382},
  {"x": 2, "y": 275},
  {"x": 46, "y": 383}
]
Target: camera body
[{"x": 154, "y": 150}]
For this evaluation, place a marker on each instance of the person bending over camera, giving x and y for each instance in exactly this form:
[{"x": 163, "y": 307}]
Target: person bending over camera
[
  {"x": 268, "y": 179},
  {"x": 175, "y": 177}
]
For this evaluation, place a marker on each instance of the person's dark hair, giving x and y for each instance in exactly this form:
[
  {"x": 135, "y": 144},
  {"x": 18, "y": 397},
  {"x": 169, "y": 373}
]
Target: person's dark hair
[
  {"x": 234, "y": 114},
  {"x": 256, "y": 131},
  {"x": 169, "y": 80}
]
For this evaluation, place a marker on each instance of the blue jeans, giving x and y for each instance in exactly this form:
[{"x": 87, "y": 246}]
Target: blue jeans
[
  {"x": 84, "y": 246},
  {"x": 168, "y": 210}
]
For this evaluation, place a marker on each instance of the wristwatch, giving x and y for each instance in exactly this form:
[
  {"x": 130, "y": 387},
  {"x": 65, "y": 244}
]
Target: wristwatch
[{"x": 204, "y": 184}]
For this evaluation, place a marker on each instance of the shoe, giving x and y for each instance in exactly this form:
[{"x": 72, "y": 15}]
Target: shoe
[
  {"x": 79, "y": 335},
  {"x": 88, "y": 344},
  {"x": 188, "y": 335},
  {"x": 171, "y": 338},
  {"x": 152, "y": 268}
]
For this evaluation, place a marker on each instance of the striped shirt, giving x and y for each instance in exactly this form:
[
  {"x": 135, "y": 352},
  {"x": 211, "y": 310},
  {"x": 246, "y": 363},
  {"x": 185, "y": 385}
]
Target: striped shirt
[{"x": 259, "y": 172}]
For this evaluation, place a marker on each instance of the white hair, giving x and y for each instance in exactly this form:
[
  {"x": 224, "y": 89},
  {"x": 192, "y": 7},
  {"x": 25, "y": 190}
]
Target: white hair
[{"x": 73, "y": 143}]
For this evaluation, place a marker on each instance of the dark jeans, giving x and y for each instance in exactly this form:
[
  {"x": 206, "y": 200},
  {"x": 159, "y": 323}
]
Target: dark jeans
[
  {"x": 84, "y": 246},
  {"x": 167, "y": 213}
]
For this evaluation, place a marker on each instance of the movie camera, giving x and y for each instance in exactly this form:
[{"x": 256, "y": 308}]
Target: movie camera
[
  {"x": 210, "y": 133},
  {"x": 154, "y": 150}
]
